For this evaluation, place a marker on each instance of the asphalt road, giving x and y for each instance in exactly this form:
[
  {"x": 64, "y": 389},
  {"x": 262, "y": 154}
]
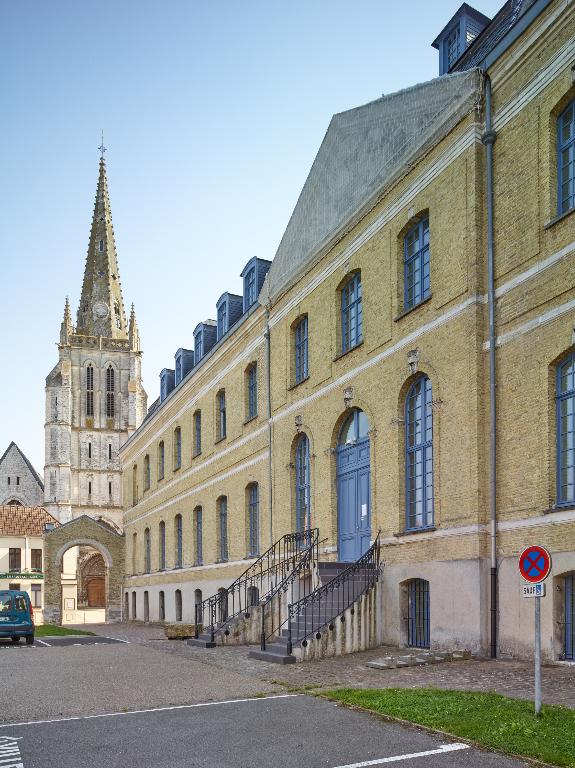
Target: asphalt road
[{"x": 284, "y": 731}]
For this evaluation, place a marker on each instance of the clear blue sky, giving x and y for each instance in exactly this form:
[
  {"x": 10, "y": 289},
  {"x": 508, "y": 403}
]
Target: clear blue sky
[{"x": 212, "y": 110}]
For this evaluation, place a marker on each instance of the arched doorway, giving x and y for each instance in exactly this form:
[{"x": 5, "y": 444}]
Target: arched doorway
[{"x": 353, "y": 487}]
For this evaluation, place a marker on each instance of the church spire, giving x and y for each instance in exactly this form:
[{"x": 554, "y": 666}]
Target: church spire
[
  {"x": 66, "y": 329},
  {"x": 134, "y": 333},
  {"x": 101, "y": 310}
]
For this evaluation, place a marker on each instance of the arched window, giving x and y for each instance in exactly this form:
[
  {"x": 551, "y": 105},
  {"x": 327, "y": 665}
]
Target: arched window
[
  {"x": 566, "y": 432},
  {"x": 197, "y": 433},
  {"x": 177, "y": 448},
  {"x": 161, "y": 606},
  {"x": 146, "y": 472},
  {"x": 566, "y": 159},
  {"x": 354, "y": 428},
  {"x": 161, "y": 460},
  {"x": 90, "y": 390},
  {"x": 110, "y": 392},
  {"x": 178, "y": 601},
  {"x": 252, "y": 390},
  {"x": 223, "y": 523},
  {"x": 147, "y": 551},
  {"x": 416, "y": 275},
  {"x": 134, "y": 553},
  {"x": 135, "y": 485},
  {"x": 162, "y": 546},
  {"x": 198, "y": 549},
  {"x": 301, "y": 350},
  {"x": 198, "y": 613},
  {"x": 351, "y": 313},
  {"x": 302, "y": 484},
  {"x": 419, "y": 455},
  {"x": 221, "y": 414},
  {"x": 178, "y": 540},
  {"x": 253, "y": 520}
]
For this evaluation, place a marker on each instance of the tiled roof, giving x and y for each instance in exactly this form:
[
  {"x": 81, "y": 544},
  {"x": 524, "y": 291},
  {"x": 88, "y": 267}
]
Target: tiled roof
[{"x": 24, "y": 521}]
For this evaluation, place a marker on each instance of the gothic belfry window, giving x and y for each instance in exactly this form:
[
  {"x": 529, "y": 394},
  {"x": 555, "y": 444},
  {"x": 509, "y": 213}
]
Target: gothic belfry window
[
  {"x": 117, "y": 315},
  {"x": 89, "y": 391},
  {"x": 110, "y": 388}
]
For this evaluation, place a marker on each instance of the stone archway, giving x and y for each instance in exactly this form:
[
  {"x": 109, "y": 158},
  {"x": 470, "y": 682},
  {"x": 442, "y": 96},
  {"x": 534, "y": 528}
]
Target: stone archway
[{"x": 100, "y": 558}]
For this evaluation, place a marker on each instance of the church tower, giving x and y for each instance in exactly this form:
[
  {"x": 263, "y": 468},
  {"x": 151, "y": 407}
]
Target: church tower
[{"x": 94, "y": 394}]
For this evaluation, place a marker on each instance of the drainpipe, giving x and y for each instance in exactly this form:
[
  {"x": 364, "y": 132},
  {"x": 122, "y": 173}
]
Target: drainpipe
[
  {"x": 270, "y": 427},
  {"x": 488, "y": 140}
]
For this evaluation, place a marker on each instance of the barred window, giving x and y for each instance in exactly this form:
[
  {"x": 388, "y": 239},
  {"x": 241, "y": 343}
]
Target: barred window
[
  {"x": 110, "y": 392},
  {"x": 89, "y": 391}
]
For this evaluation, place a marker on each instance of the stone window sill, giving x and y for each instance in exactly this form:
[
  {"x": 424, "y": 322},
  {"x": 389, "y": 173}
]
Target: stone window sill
[
  {"x": 560, "y": 508},
  {"x": 220, "y": 439},
  {"x": 347, "y": 351},
  {"x": 251, "y": 418},
  {"x": 412, "y": 309},
  {"x": 558, "y": 218},
  {"x": 296, "y": 384},
  {"x": 415, "y": 531}
]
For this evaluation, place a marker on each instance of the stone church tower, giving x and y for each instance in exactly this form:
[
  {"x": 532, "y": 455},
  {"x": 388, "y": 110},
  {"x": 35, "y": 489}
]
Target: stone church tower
[{"x": 94, "y": 394}]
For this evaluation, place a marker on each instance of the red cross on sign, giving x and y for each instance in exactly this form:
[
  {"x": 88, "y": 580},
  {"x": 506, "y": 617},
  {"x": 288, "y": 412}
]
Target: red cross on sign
[{"x": 535, "y": 564}]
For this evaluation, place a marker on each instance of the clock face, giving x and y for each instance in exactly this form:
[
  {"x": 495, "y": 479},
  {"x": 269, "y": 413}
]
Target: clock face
[{"x": 101, "y": 310}]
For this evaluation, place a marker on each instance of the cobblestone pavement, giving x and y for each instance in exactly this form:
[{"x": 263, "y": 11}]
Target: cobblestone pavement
[{"x": 512, "y": 678}]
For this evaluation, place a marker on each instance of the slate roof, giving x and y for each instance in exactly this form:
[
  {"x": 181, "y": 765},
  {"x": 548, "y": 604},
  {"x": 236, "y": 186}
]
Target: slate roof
[
  {"x": 26, "y": 461},
  {"x": 24, "y": 521}
]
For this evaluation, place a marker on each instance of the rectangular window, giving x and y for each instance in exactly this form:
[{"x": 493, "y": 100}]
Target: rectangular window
[
  {"x": 417, "y": 285},
  {"x": 15, "y": 559},
  {"x": 17, "y": 481},
  {"x": 179, "y": 542},
  {"x": 37, "y": 560},
  {"x": 36, "y": 596},
  {"x": 89, "y": 391},
  {"x": 301, "y": 353},
  {"x": 89, "y": 488},
  {"x": 161, "y": 460},
  {"x": 351, "y": 314},
  {"x": 199, "y": 543},
  {"x": 177, "y": 448},
  {"x": 197, "y": 433},
  {"x": 252, "y": 391},
  {"x": 110, "y": 489},
  {"x": 223, "y": 504},
  {"x": 452, "y": 48},
  {"x": 109, "y": 451},
  {"x": 89, "y": 450},
  {"x": 221, "y": 415},
  {"x": 566, "y": 159}
]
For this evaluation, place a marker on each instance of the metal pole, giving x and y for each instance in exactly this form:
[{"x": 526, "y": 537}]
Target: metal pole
[
  {"x": 270, "y": 425},
  {"x": 537, "y": 656}
]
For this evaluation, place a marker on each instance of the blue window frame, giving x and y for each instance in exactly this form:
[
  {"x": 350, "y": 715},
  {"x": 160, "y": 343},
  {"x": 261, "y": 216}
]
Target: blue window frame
[
  {"x": 301, "y": 351},
  {"x": 178, "y": 369},
  {"x": 221, "y": 415},
  {"x": 199, "y": 558},
  {"x": 198, "y": 346},
  {"x": 222, "y": 319},
  {"x": 416, "y": 275},
  {"x": 302, "y": 484},
  {"x": 197, "y": 433},
  {"x": 419, "y": 455},
  {"x": 179, "y": 541},
  {"x": 250, "y": 288},
  {"x": 566, "y": 159},
  {"x": 223, "y": 518},
  {"x": 254, "y": 520},
  {"x": 351, "y": 313},
  {"x": 162, "y": 544},
  {"x": 177, "y": 448},
  {"x": 147, "y": 551},
  {"x": 566, "y": 432},
  {"x": 452, "y": 47},
  {"x": 161, "y": 459},
  {"x": 252, "y": 391}
]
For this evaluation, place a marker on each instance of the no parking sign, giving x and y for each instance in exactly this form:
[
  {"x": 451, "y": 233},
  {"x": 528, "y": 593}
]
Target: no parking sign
[{"x": 535, "y": 564}]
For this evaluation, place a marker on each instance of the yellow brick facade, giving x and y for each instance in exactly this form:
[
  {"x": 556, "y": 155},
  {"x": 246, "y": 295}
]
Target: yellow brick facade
[{"x": 444, "y": 338}]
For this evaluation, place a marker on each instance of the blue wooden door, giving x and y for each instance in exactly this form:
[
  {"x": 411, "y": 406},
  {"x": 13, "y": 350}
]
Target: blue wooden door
[
  {"x": 353, "y": 493},
  {"x": 570, "y": 618}
]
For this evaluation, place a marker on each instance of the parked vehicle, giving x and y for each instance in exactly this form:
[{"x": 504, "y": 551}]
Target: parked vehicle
[{"x": 16, "y": 616}]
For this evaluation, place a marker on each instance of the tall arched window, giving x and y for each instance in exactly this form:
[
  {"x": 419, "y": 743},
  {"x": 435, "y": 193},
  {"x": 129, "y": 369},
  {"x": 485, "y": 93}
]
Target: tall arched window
[
  {"x": 198, "y": 613},
  {"x": 197, "y": 433},
  {"x": 134, "y": 553},
  {"x": 252, "y": 390},
  {"x": 178, "y": 600},
  {"x": 161, "y": 460},
  {"x": 222, "y": 426},
  {"x": 178, "y": 540},
  {"x": 177, "y": 447},
  {"x": 566, "y": 432},
  {"x": 90, "y": 390},
  {"x": 135, "y": 485},
  {"x": 147, "y": 551},
  {"x": 198, "y": 531},
  {"x": 110, "y": 392},
  {"x": 253, "y": 520},
  {"x": 302, "y": 485},
  {"x": 301, "y": 350},
  {"x": 416, "y": 273},
  {"x": 566, "y": 159},
  {"x": 351, "y": 313},
  {"x": 223, "y": 523},
  {"x": 162, "y": 546},
  {"x": 419, "y": 455},
  {"x": 146, "y": 472}
]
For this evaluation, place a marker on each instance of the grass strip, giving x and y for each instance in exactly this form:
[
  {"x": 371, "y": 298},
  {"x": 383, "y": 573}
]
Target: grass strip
[
  {"x": 52, "y": 630},
  {"x": 489, "y": 719}
]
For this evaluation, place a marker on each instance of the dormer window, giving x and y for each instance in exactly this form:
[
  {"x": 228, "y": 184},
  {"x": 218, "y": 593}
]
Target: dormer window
[
  {"x": 250, "y": 287},
  {"x": 222, "y": 319},
  {"x": 178, "y": 370},
  {"x": 452, "y": 46},
  {"x": 166, "y": 383},
  {"x": 457, "y": 35},
  {"x": 199, "y": 345}
]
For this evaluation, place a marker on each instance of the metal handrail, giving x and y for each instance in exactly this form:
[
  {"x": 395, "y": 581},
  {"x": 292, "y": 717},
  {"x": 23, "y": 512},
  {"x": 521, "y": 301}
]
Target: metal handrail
[
  {"x": 348, "y": 592},
  {"x": 270, "y": 569}
]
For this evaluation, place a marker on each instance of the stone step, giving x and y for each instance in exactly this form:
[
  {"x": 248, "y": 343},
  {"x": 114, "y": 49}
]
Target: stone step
[
  {"x": 203, "y": 641},
  {"x": 276, "y": 654},
  {"x": 418, "y": 658}
]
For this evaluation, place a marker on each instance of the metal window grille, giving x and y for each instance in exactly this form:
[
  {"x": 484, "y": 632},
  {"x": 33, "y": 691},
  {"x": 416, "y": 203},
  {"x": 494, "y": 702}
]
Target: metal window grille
[
  {"x": 418, "y": 614},
  {"x": 252, "y": 391},
  {"x": 570, "y": 617},
  {"x": 161, "y": 460},
  {"x": 222, "y": 319},
  {"x": 254, "y": 520},
  {"x": 199, "y": 534},
  {"x": 177, "y": 447},
  {"x": 162, "y": 545},
  {"x": 419, "y": 455},
  {"x": 110, "y": 389},
  {"x": 222, "y": 415},
  {"x": 179, "y": 541},
  {"x": 351, "y": 313},
  {"x": 223, "y": 528},
  {"x": 302, "y": 482},
  {"x": 566, "y": 159},
  {"x": 566, "y": 432},
  {"x": 89, "y": 391},
  {"x": 197, "y": 433},
  {"x": 301, "y": 351},
  {"x": 417, "y": 282}
]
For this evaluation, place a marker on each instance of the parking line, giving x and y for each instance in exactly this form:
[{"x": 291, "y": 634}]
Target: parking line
[
  {"x": 396, "y": 758},
  {"x": 42, "y": 642},
  {"x": 155, "y": 709}
]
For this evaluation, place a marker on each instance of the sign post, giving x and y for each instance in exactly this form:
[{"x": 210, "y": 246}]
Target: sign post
[{"x": 534, "y": 566}]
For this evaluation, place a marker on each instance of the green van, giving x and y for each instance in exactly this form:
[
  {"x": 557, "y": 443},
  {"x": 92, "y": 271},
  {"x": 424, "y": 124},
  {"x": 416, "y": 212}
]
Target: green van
[{"x": 16, "y": 616}]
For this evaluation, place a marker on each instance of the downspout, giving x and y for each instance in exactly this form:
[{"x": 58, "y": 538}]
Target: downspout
[
  {"x": 270, "y": 426},
  {"x": 488, "y": 140}
]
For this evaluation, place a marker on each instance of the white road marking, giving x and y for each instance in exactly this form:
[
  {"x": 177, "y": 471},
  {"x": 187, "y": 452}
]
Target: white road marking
[
  {"x": 396, "y": 758},
  {"x": 156, "y": 709},
  {"x": 42, "y": 642},
  {"x": 10, "y": 756}
]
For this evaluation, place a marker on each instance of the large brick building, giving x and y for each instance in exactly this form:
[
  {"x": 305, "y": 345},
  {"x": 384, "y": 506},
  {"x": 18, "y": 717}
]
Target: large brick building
[{"x": 409, "y": 366}]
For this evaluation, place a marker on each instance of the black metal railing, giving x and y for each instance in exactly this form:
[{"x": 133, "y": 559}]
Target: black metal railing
[
  {"x": 303, "y": 578},
  {"x": 309, "y": 615},
  {"x": 216, "y": 613}
]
